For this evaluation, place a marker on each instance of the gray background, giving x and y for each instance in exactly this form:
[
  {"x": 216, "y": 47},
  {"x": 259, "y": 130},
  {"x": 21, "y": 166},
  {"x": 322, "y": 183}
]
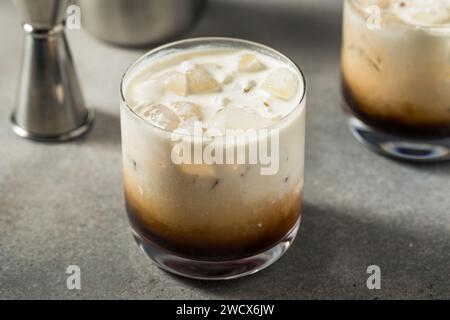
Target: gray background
[{"x": 63, "y": 204}]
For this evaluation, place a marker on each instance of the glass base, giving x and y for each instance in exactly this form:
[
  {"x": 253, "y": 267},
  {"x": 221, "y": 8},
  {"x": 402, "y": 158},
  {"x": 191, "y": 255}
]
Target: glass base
[
  {"x": 216, "y": 270},
  {"x": 399, "y": 147},
  {"x": 57, "y": 137}
]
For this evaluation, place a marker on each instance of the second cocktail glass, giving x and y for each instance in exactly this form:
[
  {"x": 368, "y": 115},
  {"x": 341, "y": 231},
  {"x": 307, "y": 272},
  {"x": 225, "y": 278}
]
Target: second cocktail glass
[{"x": 396, "y": 76}]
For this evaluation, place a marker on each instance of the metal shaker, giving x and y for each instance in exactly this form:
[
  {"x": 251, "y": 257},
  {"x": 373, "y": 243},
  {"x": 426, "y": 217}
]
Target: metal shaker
[{"x": 139, "y": 23}]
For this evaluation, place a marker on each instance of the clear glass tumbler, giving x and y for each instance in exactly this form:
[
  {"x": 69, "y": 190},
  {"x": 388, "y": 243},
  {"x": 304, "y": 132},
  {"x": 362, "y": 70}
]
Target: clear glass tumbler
[
  {"x": 211, "y": 221},
  {"x": 396, "y": 77}
]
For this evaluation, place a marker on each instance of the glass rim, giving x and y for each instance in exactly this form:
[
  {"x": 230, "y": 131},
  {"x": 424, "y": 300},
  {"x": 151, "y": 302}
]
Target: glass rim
[
  {"x": 169, "y": 45},
  {"x": 424, "y": 26}
]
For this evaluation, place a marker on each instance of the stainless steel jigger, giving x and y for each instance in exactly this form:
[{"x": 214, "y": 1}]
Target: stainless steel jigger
[{"x": 50, "y": 106}]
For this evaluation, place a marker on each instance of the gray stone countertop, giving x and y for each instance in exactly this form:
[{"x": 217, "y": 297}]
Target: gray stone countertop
[{"x": 63, "y": 204}]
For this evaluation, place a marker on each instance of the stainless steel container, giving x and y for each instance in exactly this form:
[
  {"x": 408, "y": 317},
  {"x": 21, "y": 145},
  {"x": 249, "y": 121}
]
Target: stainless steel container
[
  {"x": 136, "y": 23},
  {"x": 49, "y": 103}
]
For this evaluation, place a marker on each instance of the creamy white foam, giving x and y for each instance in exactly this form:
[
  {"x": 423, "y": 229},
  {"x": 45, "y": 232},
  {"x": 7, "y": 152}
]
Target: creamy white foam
[
  {"x": 223, "y": 88},
  {"x": 421, "y": 12},
  {"x": 412, "y": 12}
]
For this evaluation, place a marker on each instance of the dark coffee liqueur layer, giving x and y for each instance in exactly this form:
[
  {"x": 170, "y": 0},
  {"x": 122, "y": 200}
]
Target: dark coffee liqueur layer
[
  {"x": 397, "y": 125},
  {"x": 215, "y": 243}
]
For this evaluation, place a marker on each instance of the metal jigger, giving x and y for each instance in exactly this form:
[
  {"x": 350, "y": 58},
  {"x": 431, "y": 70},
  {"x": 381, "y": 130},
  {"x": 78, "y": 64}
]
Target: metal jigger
[{"x": 50, "y": 106}]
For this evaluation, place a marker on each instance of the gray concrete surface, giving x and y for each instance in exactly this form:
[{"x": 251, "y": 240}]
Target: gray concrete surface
[{"x": 63, "y": 204}]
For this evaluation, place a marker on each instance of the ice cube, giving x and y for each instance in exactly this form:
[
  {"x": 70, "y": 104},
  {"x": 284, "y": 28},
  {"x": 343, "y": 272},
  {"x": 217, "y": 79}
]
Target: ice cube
[
  {"x": 159, "y": 115},
  {"x": 148, "y": 91},
  {"x": 176, "y": 82},
  {"x": 237, "y": 118},
  {"x": 282, "y": 83},
  {"x": 187, "y": 111},
  {"x": 189, "y": 128},
  {"x": 248, "y": 62},
  {"x": 199, "y": 80}
]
